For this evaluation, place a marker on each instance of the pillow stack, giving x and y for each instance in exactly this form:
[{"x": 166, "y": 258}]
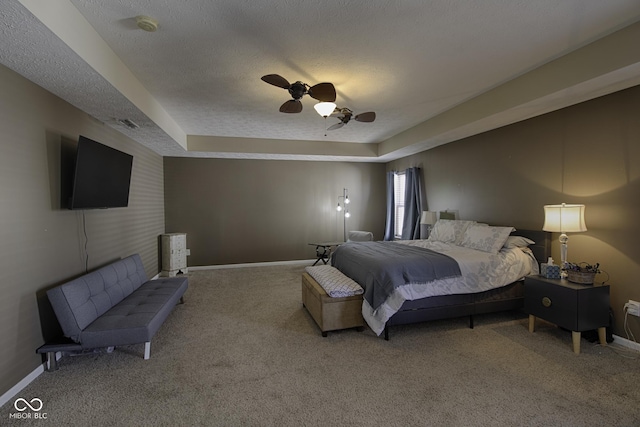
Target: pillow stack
[
  {"x": 474, "y": 235},
  {"x": 486, "y": 238}
]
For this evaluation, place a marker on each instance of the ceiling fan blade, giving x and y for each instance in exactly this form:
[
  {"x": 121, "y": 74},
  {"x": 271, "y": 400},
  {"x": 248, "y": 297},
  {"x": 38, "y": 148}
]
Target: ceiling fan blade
[
  {"x": 291, "y": 106},
  {"x": 366, "y": 117},
  {"x": 336, "y": 126},
  {"x": 276, "y": 80},
  {"x": 324, "y": 92}
]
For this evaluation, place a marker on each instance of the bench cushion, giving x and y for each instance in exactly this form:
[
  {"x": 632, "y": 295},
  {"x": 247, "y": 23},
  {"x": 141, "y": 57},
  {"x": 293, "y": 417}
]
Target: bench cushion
[
  {"x": 329, "y": 313},
  {"x": 335, "y": 284},
  {"x": 138, "y": 317}
]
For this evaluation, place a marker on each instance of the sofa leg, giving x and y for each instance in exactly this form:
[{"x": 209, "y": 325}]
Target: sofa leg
[
  {"x": 147, "y": 350},
  {"x": 182, "y": 299},
  {"x": 52, "y": 362}
]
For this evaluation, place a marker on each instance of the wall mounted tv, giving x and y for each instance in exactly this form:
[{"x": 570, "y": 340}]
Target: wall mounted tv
[{"x": 102, "y": 176}]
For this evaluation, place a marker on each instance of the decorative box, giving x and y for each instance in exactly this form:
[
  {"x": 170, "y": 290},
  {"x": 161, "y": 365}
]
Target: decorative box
[
  {"x": 543, "y": 269},
  {"x": 550, "y": 271}
]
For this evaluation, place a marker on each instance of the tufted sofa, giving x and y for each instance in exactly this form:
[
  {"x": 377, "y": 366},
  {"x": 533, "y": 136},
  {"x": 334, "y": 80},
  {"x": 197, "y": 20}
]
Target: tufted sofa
[{"x": 114, "y": 305}]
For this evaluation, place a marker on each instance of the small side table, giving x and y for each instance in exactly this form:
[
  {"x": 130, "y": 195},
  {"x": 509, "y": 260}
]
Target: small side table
[
  {"x": 323, "y": 250},
  {"x": 572, "y": 306}
]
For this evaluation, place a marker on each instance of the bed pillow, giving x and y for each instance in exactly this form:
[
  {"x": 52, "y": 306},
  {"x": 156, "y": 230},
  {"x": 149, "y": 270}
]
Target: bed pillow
[
  {"x": 517, "y": 242},
  {"x": 485, "y": 238},
  {"x": 447, "y": 215},
  {"x": 449, "y": 231}
]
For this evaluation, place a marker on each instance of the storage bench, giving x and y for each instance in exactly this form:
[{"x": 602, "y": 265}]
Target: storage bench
[{"x": 330, "y": 313}]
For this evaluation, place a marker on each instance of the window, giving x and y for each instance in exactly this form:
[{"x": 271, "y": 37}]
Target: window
[{"x": 398, "y": 188}]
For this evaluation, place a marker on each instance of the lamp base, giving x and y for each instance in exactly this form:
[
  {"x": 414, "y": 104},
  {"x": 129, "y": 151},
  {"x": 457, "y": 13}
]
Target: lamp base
[
  {"x": 564, "y": 239},
  {"x": 425, "y": 231}
]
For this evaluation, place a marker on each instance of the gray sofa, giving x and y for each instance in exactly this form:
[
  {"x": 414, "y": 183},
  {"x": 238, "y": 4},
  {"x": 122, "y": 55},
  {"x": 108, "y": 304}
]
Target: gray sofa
[{"x": 114, "y": 305}]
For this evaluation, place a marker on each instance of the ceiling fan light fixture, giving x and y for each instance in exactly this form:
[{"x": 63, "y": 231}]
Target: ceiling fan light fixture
[{"x": 325, "y": 108}]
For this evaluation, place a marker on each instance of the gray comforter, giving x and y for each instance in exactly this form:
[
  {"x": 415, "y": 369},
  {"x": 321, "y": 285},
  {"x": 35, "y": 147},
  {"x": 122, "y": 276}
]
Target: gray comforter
[{"x": 380, "y": 267}]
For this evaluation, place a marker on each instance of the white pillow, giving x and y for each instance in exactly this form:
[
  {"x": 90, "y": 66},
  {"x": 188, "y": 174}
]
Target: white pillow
[
  {"x": 485, "y": 238},
  {"x": 449, "y": 231},
  {"x": 517, "y": 242}
]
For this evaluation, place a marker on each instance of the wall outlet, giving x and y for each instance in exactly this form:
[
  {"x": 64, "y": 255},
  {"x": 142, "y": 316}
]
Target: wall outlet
[{"x": 633, "y": 307}]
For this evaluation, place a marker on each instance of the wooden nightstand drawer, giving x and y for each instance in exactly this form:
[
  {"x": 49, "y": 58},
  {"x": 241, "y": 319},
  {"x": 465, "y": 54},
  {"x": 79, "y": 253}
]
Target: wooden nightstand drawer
[
  {"x": 553, "y": 303},
  {"x": 569, "y": 305}
]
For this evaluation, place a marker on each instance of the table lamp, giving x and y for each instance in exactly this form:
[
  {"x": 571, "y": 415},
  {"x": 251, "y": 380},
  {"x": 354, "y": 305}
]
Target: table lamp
[
  {"x": 564, "y": 219},
  {"x": 427, "y": 220}
]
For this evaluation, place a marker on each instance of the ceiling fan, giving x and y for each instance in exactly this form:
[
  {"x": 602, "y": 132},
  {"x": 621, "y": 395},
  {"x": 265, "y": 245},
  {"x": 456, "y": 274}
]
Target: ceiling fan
[
  {"x": 323, "y": 92},
  {"x": 345, "y": 115}
]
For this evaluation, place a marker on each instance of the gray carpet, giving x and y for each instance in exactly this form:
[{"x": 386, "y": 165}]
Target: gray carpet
[{"x": 243, "y": 351}]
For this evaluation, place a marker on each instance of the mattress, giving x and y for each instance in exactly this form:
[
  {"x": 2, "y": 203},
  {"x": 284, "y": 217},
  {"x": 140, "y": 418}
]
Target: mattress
[{"x": 480, "y": 271}]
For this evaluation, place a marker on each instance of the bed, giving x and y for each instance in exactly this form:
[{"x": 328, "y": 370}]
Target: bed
[{"x": 464, "y": 268}]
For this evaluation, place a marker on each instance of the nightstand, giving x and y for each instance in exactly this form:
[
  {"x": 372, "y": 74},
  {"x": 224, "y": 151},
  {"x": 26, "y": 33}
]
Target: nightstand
[{"x": 569, "y": 305}]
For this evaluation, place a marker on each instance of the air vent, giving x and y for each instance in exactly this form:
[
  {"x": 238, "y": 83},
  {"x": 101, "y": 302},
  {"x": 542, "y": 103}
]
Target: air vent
[{"x": 128, "y": 123}]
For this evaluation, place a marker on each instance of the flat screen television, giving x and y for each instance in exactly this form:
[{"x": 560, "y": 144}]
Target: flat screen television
[{"x": 102, "y": 176}]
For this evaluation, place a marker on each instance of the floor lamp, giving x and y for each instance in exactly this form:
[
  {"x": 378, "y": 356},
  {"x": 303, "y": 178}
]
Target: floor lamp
[
  {"x": 346, "y": 201},
  {"x": 564, "y": 219}
]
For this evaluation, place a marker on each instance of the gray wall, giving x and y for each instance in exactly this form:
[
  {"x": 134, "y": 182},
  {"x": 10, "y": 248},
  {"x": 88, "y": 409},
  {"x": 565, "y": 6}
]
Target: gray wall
[
  {"x": 242, "y": 211},
  {"x": 588, "y": 153},
  {"x": 42, "y": 243},
  {"x": 238, "y": 211}
]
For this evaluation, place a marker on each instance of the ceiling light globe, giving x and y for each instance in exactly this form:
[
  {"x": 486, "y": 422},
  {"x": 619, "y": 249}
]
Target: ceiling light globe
[{"x": 325, "y": 108}]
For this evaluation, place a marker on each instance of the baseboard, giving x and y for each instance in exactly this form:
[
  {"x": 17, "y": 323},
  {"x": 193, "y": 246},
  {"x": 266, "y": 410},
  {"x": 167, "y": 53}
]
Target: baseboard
[
  {"x": 253, "y": 264},
  {"x": 13, "y": 391},
  {"x": 626, "y": 343}
]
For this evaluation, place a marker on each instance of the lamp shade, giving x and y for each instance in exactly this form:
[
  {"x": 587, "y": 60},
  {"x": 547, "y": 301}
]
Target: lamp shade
[
  {"x": 325, "y": 108},
  {"x": 428, "y": 217},
  {"x": 564, "y": 218}
]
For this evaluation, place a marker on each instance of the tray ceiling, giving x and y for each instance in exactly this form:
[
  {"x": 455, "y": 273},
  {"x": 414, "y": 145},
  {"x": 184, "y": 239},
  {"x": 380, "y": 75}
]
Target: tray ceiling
[{"x": 433, "y": 71}]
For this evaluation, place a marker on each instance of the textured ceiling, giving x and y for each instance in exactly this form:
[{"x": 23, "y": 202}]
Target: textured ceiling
[{"x": 197, "y": 78}]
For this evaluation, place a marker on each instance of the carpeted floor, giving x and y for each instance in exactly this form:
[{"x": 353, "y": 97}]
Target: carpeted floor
[{"x": 243, "y": 351}]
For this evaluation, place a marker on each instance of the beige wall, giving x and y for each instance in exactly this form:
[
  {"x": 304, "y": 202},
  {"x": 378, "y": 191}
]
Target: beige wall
[
  {"x": 42, "y": 243},
  {"x": 588, "y": 153},
  {"x": 242, "y": 211}
]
